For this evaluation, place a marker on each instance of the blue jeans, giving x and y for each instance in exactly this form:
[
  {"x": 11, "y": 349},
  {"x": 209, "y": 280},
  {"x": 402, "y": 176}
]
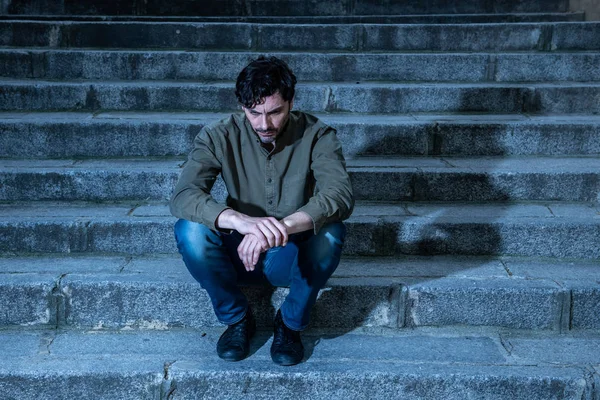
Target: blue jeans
[{"x": 304, "y": 265}]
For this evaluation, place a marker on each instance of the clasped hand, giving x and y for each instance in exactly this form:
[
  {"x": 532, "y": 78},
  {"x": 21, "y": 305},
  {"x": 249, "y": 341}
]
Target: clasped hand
[{"x": 260, "y": 234}]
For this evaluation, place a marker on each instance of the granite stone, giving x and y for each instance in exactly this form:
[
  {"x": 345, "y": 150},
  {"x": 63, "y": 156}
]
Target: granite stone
[
  {"x": 280, "y": 8},
  {"x": 500, "y": 302}
]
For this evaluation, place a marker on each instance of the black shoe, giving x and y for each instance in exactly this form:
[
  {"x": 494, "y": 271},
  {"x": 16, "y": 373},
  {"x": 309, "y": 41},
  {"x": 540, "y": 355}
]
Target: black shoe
[
  {"x": 287, "y": 347},
  {"x": 234, "y": 343}
]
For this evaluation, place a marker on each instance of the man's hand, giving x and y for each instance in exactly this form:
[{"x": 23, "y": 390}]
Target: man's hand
[
  {"x": 249, "y": 251},
  {"x": 269, "y": 231}
]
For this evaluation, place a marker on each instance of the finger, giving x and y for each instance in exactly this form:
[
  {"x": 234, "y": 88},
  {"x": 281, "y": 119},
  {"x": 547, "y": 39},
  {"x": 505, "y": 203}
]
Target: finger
[
  {"x": 240, "y": 248},
  {"x": 252, "y": 243},
  {"x": 256, "y": 255},
  {"x": 281, "y": 228},
  {"x": 245, "y": 246},
  {"x": 253, "y": 247},
  {"x": 269, "y": 233},
  {"x": 256, "y": 231},
  {"x": 277, "y": 236}
]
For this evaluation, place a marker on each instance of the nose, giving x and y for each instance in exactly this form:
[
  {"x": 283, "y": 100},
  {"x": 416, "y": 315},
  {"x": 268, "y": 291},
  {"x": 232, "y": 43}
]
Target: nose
[{"x": 265, "y": 122}]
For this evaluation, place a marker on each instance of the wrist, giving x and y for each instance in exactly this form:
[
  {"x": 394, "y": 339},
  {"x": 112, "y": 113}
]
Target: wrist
[{"x": 228, "y": 219}]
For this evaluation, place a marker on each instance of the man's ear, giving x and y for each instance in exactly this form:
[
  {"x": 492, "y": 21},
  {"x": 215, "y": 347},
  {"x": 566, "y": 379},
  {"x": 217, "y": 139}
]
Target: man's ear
[{"x": 291, "y": 104}]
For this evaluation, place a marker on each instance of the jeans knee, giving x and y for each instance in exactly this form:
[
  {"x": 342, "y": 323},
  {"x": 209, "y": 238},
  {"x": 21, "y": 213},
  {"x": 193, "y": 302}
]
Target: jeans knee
[
  {"x": 329, "y": 241},
  {"x": 334, "y": 233},
  {"x": 193, "y": 238},
  {"x": 325, "y": 249},
  {"x": 277, "y": 264}
]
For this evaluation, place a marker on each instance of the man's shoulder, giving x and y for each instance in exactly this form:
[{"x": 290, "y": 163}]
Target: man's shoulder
[
  {"x": 223, "y": 128},
  {"x": 310, "y": 123}
]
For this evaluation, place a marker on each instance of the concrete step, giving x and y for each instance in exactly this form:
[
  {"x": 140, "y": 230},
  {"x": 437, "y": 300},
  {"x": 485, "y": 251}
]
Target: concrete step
[
  {"x": 373, "y": 178},
  {"x": 333, "y": 19},
  {"x": 182, "y": 364},
  {"x": 561, "y": 230},
  {"x": 122, "y": 134},
  {"x": 381, "y": 98},
  {"x": 325, "y": 67},
  {"x": 303, "y": 37},
  {"x": 278, "y": 7},
  {"x": 157, "y": 292}
]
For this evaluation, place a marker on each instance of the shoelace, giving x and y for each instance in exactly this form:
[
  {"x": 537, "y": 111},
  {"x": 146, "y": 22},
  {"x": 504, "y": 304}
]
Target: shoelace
[
  {"x": 286, "y": 336},
  {"x": 237, "y": 333}
]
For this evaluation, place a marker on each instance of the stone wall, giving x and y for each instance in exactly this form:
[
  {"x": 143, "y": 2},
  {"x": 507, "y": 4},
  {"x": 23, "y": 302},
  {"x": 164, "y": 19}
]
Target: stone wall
[{"x": 591, "y": 8}]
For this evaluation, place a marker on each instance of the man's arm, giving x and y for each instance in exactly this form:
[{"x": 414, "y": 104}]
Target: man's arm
[
  {"x": 250, "y": 248},
  {"x": 333, "y": 199},
  {"x": 269, "y": 231},
  {"x": 191, "y": 198},
  {"x": 298, "y": 222}
]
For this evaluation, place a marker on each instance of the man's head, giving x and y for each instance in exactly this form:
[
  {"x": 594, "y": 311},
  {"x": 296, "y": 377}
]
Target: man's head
[{"x": 265, "y": 89}]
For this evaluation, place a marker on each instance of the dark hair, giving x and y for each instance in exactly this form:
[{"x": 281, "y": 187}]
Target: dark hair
[{"x": 264, "y": 77}]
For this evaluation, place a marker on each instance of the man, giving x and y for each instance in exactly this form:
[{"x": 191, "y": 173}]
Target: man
[{"x": 288, "y": 191}]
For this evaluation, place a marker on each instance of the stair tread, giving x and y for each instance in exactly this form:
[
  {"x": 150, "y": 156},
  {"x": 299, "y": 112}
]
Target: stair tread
[
  {"x": 220, "y": 84},
  {"x": 190, "y": 117},
  {"x": 548, "y": 212},
  {"x": 550, "y": 165},
  {"x": 432, "y": 271}
]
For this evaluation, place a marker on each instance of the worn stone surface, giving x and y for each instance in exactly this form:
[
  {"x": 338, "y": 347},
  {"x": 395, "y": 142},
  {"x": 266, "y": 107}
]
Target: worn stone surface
[
  {"x": 499, "y": 17},
  {"x": 425, "y": 230},
  {"x": 54, "y": 135},
  {"x": 158, "y": 293},
  {"x": 585, "y": 304},
  {"x": 591, "y": 8},
  {"x": 347, "y": 380},
  {"x": 570, "y": 349},
  {"x": 576, "y": 37},
  {"x": 82, "y": 362},
  {"x": 504, "y": 303},
  {"x": 374, "y": 179},
  {"x": 282, "y": 37},
  {"x": 27, "y": 299},
  {"x": 361, "y": 98},
  {"x": 546, "y": 67},
  {"x": 225, "y": 66},
  {"x": 441, "y": 234},
  {"x": 162, "y": 294},
  {"x": 280, "y": 8}
]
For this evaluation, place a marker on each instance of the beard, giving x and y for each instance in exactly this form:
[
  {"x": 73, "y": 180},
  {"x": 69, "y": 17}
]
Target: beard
[{"x": 272, "y": 134}]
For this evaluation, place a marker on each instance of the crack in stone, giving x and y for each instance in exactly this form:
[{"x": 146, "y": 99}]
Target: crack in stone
[
  {"x": 169, "y": 386},
  {"x": 508, "y": 271},
  {"x": 50, "y": 344},
  {"x": 58, "y": 300},
  {"x": 448, "y": 163},
  {"x": 507, "y": 345},
  {"x": 135, "y": 207},
  {"x": 571, "y": 307},
  {"x": 128, "y": 260}
]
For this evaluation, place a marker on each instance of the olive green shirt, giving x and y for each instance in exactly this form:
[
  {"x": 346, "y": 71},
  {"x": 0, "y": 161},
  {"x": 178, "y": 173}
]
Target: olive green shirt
[{"x": 306, "y": 171}]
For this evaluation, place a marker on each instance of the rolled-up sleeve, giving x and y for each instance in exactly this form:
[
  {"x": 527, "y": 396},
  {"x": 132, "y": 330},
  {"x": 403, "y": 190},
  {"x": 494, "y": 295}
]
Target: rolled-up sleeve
[
  {"x": 191, "y": 199},
  {"x": 333, "y": 199}
]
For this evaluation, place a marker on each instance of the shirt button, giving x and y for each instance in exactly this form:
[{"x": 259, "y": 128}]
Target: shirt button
[
  {"x": 269, "y": 180},
  {"x": 270, "y": 201}
]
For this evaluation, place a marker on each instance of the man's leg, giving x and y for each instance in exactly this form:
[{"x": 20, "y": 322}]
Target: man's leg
[
  {"x": 211, "y": 258},
  {"x": 318, "y": 258},
  {"x": 305, "y": 265}
]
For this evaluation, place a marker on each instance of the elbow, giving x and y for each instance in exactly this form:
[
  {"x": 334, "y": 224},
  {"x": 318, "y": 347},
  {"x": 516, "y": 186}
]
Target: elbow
[{"x": 175, "y": 206}]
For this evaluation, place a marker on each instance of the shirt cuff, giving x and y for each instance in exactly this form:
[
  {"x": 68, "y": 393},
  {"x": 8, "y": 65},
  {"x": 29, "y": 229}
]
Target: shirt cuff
[
  {"x": 316, "y": 214},
  {"x": 210, "y": 214}
]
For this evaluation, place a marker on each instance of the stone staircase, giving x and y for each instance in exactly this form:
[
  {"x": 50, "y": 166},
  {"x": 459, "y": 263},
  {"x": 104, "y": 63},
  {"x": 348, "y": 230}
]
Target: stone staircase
[{"x": 472, "y": 133}]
